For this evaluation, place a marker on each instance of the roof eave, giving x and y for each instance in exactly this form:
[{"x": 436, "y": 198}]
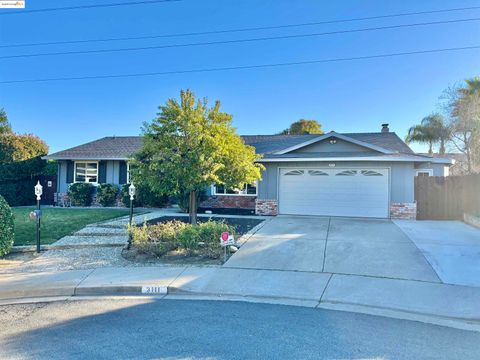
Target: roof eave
[
  {"x": 79, "y": 158},
  {"x": 326, "y": 159}
]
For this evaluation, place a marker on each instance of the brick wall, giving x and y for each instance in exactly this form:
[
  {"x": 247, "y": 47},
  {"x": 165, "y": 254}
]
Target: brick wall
[
  {"x": 405, "y": 211},
  {"x": 266, "y": 207},
  {"x": 229, "y": 202}
]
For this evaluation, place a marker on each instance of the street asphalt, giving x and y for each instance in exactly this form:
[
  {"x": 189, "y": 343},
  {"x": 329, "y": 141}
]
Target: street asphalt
[{"x": 146, "y": 328}]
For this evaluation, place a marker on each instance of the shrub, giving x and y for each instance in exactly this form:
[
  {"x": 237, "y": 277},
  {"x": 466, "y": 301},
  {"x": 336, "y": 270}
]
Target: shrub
[
  {"x": 210, "y": 233},
  {"x": 189, "y": 238},
  {"x": 6, "y": 227},
  {"x": 144, "y": 197},
  {"x": 156, "y": 239},
  {"x": 107, "y": 194},
  {"x": 202, "y": 239},
  {"x": 80, "y": 194}
]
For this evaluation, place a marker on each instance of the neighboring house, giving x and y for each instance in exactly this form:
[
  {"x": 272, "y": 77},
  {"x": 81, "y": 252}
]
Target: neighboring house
[
  {"x": 357, "y": 174},
  {"x": 460, "y": 166}
]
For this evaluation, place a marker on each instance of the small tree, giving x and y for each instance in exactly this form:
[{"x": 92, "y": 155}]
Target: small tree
[
  {"x": 304, "y": 126},
  {"x": 190, "y": 146}
]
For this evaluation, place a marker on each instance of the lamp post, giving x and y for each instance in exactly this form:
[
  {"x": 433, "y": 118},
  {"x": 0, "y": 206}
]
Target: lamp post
[
  {"x": 38, "y": 213},
  {"x": 131, "y": 192}
]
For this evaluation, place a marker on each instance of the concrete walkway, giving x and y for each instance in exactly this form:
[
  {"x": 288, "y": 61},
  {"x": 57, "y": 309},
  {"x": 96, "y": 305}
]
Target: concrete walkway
[
  {"x": 451, "y": 305},
  {"x": 334, "y": 245},
  {"x": 451, "y": 247}
]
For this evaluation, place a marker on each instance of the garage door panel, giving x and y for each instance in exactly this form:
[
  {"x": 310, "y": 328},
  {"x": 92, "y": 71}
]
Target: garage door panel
[{"x": 336, "y": 192}]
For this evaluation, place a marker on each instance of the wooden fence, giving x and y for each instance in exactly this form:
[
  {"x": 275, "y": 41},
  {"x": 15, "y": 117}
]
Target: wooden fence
[{"x": 447, "y": 198}]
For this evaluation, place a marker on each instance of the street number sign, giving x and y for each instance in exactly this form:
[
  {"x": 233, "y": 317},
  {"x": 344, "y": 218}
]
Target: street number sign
[
  {"x": 226, "y": 239},
  {"x": 152, "y": 289}
]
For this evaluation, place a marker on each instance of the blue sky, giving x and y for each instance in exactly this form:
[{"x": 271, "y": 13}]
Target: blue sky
[{"x": 351, "y": 96}]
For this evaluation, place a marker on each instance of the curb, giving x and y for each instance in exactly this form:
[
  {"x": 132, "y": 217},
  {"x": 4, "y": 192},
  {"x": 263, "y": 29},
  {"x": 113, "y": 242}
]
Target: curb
[{"x": 174, "y": 293}]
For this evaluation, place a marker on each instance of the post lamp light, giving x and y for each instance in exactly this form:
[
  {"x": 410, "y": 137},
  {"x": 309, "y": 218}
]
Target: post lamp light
[
  {"x": 131, "y": 192},
  {"x": 38, "y": 213}
]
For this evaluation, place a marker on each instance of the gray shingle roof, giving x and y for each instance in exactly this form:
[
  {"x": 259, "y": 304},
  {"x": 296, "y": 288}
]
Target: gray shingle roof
[
  {"x": 107, "y": 148},
  {"x": 121, "y": 147}
]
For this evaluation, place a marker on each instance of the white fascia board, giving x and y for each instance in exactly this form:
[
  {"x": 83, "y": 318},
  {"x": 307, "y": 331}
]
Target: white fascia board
[
  {"x": 48, "y": 157},
  {"x": 338, "y": 136},
  {"x": 373, "y": 158}
]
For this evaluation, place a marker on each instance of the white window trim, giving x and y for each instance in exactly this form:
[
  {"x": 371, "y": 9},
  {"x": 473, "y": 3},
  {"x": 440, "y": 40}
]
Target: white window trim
[
  {"x": 214, "y": 191},
  {"x": 75, "y": 171},
  {"x": 429, "y": 171},
  {"x": 128, "y": 172}
]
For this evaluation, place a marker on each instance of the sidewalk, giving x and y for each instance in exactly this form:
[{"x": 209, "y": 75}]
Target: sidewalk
[{"x": 450, "y": 305}]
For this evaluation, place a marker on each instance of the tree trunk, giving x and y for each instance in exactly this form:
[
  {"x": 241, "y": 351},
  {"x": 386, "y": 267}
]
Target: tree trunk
[
  {"x": 467, "y": 153},
  {"x": 442, "y": 147},
  {"x": 430, "y": 148},
  {"x": 192, "y": 207}
]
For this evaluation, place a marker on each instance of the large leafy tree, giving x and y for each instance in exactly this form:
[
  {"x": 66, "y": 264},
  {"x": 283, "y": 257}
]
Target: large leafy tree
[
  {"x": 18, "y": 147},
  {"x": 432, "y": 129},
  {"x": 27, "y": 146},
  {"x": 304, "y": 126},
  {"x": 190, "y": 146}
]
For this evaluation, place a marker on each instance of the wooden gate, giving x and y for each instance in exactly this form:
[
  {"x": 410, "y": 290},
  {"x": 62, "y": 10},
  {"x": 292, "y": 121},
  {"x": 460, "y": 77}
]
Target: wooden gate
[
  {"x": 447, "y": 198},
  {"x": 49, "y": 184}
]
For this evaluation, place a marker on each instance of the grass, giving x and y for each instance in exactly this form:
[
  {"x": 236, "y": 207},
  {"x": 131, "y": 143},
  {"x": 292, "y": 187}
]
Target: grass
[{"x": 58, "y": 222}]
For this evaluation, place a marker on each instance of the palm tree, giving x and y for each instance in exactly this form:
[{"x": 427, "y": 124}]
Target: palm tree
[
  {"x": 420, "y": 134},
  {"x": 431, "y": 130},
  {"x": 473, "y": 86},
  {"x": 441, "y": 131}
]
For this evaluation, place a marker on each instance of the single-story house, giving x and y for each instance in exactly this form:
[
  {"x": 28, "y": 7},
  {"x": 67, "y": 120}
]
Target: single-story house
[{"x": 354, "y": 174}]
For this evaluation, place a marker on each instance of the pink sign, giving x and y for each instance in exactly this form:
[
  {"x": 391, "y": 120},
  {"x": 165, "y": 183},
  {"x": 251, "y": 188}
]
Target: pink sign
[{"x": 225, "y": 236}]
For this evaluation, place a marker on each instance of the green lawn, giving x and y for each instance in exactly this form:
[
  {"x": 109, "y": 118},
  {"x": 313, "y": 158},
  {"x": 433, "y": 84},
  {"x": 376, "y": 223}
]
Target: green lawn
[{"x": 58, "y": 222}]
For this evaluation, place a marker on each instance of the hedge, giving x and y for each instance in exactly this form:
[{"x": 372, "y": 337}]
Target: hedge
[
  {"x": 107, "y": 194},
  {"x": 80, "y": 194},
  {"x": 144, "y": 197},
  {"x": 17, "y": 179},
  {"x": 6, "y": 227}
]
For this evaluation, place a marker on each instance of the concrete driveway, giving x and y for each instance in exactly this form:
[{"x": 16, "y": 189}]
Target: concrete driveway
[
  {"x": 451, "y": 247},
  {"x": 335, "y": 245}
]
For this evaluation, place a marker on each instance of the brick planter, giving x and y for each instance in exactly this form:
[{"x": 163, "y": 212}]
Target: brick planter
[
  {"x": 266, "y": 207},
  {"x": 229, "y": 202},
  {"x": 404, "y": 211}
]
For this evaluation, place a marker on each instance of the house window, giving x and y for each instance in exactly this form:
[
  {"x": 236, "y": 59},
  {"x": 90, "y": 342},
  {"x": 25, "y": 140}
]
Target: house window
[
  {"x": 317, "y": 173},
  {"x": 86, "y": 171},
  {"x": 247, "y": 190},
  {"x": 424, "y": 172},
  {"x": 347, "y": 173},
  {"x": 370, "y": 173},
  {"x": 295, "y": 173}
]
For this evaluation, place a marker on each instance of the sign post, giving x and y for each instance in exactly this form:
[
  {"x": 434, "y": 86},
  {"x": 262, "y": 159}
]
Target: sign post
[
  {"x": 226, "y": 240},
  {"x": 38, "y": 212}
]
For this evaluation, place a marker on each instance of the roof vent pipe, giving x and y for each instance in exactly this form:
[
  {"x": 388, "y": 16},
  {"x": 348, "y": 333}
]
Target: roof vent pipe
[{"x": 385, "y": 128}]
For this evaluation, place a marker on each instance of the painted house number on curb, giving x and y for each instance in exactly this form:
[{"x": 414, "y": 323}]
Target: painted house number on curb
[{"x": 154, "y": 289}]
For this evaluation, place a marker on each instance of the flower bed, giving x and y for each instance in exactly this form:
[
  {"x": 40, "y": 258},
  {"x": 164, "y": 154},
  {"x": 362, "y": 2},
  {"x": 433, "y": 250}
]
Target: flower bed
[{"x": 172, "y": 239}]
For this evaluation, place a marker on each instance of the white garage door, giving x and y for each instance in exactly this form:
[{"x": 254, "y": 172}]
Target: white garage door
[{"x": 334, "y": 192}]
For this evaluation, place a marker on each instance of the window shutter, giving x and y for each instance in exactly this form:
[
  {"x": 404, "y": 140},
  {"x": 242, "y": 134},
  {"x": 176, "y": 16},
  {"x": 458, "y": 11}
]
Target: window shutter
[
  {"x": 102, "y": 172},
  {"x": 123, "y": 173},
  {"x": 70, "y": 165}
]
